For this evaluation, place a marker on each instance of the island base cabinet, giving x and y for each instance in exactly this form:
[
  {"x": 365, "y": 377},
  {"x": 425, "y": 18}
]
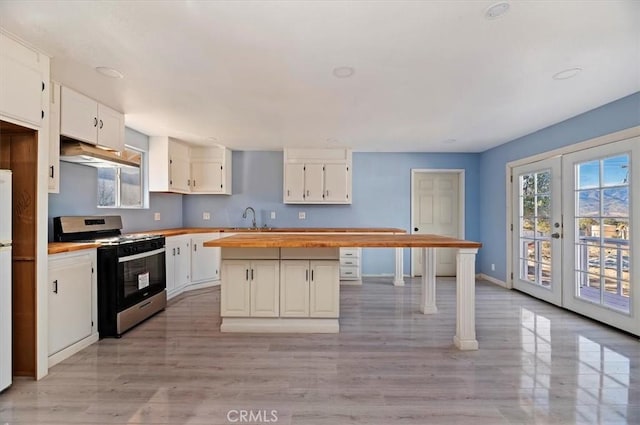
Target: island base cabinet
[
  {"x": 250, "y": 288},
  {"x": 309, "y": 288},
  {"x": 324, "y": 290}
]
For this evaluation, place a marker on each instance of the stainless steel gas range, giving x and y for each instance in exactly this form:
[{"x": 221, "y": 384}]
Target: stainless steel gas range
[{"x": 130, "y": 270}]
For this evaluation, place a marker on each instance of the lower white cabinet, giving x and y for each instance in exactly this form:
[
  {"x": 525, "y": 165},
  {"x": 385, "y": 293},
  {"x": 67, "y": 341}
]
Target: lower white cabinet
[
  {"x": 72, "y": 315},
  {"x": 205, "y": 262},
  {"x": 308, "y": 288},
  {"x": 178, "y": 263},
  {"x": 250, "y": 288}
]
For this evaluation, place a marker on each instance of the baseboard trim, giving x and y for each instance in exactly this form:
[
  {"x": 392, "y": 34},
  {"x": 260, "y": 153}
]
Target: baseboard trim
[
  {"x": 351, "y": 282},
  {"x": 493, "y": 280},
  {"x": 61, "y": 355},
  {"x": 191, "y": 287},
  {"x": 279, "y": 325}
]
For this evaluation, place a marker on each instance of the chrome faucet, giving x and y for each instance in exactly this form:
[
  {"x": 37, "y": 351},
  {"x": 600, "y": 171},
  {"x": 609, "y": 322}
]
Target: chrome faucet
[{"x": 253, "y": 222}]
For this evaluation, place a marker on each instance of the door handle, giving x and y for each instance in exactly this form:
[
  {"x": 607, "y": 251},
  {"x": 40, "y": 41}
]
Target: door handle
[{"x": 555, "y": 235}]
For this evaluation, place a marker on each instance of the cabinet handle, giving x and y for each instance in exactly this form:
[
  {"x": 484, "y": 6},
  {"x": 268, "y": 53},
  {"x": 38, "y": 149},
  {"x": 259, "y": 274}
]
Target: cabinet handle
[
  {"x": 251, "y": 274},
  {"x": 195, "y": 247},
  {"x": 311, "y": 275},
  {"x": 101, "y": 124},
  {"x": 327, "y": 193},
  {"x": 178, "y": 250},
  {"x": 307, "y": 276},
  {"x": 307, "y": 193},
  {"x": 95, "y": 121},
  {"x": 174, "y": 252},
  {"x": 55, "y": 286},
  {"x": 188, "y": 182},
  {"x": 288, "y": 192},
  {"x": 51, "y": 171},
  {"x": 194, "y": 183},
  {"x": 246, "y": 274}
]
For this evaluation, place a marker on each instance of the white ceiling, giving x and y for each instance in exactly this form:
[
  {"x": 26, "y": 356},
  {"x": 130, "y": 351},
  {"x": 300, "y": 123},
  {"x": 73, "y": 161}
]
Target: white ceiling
[{"x": 258, "y": 75}]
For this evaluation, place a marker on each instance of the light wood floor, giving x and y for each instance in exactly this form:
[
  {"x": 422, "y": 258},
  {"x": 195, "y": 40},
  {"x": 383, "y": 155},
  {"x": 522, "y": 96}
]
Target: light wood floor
[{"x": 389, "y": 365}]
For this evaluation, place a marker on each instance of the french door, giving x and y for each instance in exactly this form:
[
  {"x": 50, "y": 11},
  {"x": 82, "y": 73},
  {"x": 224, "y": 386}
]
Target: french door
[
  {"x": 602, "y": 211},
  {"x": 537, "y": 221},
  {"x": 575, "y": 242}
]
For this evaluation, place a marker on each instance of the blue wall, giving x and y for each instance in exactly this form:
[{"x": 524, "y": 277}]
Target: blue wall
[
  {"x": 381, "y": 197},
  {"x": 615, "y": 116}
]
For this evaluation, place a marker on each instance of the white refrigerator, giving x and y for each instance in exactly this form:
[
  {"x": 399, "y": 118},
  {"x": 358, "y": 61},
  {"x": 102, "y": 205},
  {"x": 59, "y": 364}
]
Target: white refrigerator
[{"x": 5, "y": 279}]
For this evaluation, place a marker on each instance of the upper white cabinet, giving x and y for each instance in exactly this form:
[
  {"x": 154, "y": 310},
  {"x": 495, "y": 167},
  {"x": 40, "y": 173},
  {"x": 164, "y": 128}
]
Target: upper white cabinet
[
  {"x": 174, "y": 166},
  {"x": 211, "y": 170},
  {"x": 84, "y": 119},
  {"x": 23, "y": 76},
  {"x": 317, "y": 176}
]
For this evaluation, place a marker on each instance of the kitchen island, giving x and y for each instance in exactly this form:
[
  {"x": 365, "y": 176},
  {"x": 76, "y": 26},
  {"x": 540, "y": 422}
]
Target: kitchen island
[{"x": 289, "y": 282}]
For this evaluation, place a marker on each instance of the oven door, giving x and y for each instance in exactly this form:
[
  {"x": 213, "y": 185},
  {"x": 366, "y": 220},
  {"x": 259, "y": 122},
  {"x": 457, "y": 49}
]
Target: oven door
[{"x": 140, "y": 276}]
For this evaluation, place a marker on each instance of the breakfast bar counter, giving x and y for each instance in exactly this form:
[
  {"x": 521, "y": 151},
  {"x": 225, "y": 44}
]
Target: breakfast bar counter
[{"x": 289, "y": 282}]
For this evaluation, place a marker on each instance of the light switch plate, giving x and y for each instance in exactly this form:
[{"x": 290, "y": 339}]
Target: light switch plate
[
  {"x": 302, "y": 215},
  {"x": 206, "y": 216},
  {"x": 156, "y": 216}
]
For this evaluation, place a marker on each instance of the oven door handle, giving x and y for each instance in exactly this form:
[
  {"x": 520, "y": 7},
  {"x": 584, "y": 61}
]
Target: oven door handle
[{"x": 141, "y": 255}]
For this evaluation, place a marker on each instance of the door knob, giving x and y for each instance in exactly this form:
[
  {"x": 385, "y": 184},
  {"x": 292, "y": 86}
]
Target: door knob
[{"x": 555, "y": 235}]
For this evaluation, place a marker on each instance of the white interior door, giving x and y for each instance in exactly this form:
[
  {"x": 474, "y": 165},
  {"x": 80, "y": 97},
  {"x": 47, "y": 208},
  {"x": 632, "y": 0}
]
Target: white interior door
[
  {"x": 537, "y": 229},
  {"x": 436, "y": 210},
  {"x": 602, "y": 203}
]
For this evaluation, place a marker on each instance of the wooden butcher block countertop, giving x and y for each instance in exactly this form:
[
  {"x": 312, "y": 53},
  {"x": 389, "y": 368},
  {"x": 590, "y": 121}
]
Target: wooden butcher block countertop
[
  {"x": 271, "y": 240},
  {"x": 60, "y": 247}
]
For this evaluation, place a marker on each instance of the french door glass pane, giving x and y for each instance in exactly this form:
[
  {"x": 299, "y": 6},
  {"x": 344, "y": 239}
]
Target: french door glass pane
[
  {"x": 535, "y": 228},
  {"x": 603, "y": 232}
]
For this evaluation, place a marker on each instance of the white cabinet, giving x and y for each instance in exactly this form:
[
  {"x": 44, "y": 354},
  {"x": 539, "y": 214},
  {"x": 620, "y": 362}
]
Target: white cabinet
[
  {"x": 317, "y": 176},
  {"x": 250, "y": 288},
  {"x": 23, "y": 82},
  {"x": 205, "y": 262},
  {"x": 54, "y": 139},
  {"x": 84, "y": 119},
  {"x": 350, "y": 264},
  {"x": 175, "y": 166},
  {"x": 211, "y": 170},
  {"x": 178, "y": 263},
  {"x": 308, "y": 288},
  {"x": 72, "y": 312}
]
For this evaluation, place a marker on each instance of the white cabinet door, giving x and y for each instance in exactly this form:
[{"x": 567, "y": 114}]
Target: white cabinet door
[
  {"x": 294, "y": 183},
  {"x": 171, "y": 245},
  {"x": 265, "y": 288},
  {"x": 70, "y": 301},
  {"x": 324, "y": 300},
  {"x": 54, "y": 139},
  {"x": 313, "y": 183},
  {"x": 294, "y": 288},
  {"x": 179, "y": 175},
  {"x": 206, "y": 177},
  {"x": 110, "y": 128},
  {"x": 205, "y": 262},
  {"x": 183, "y": 262},
  {"x": 336, "y": 183},
  {"x": 21, "y": 82},
  {"x": 235, "y": 298},
  {"x": 78, "y": 116}
]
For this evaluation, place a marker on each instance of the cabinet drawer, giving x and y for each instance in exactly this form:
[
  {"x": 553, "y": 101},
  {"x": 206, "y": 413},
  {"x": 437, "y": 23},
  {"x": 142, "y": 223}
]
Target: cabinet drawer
[
  {"x": 349, "y": 262},
  {"x": 349, "y": 272},
  {"x": 350, "y": 252}
]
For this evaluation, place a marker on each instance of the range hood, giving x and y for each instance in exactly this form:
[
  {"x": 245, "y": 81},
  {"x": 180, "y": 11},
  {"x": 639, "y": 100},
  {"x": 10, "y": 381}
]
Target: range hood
[{"x": 86, "y": 154}]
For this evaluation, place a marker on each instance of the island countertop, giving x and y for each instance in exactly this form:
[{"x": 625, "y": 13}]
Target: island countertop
[{"x": 271, "y": 240}]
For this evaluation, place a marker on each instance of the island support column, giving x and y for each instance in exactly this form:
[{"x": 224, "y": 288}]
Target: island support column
[
  {"x": 428, "y": 293},
  {"x": 399, "y": 277},
  {"x": 465, "y": 338}
]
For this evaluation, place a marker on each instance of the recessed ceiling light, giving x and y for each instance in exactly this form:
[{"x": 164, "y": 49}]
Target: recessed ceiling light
[
  {"x": 567, "y": 73},
  {"x": 449, "y": 141},
  {"x": 496, "y": 10},
  {"x": 343, "y": 71},
  {"x": 109, "y": 72}
]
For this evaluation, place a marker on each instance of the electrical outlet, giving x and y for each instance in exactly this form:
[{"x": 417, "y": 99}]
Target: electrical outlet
[
  {"x": 206, "y": 216},
  {"x": 156, "y": 216},
  {"x": 273, "y": 215},
  {"x": 302, "y": 215},
  {"x": 493, "y": 267}
]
